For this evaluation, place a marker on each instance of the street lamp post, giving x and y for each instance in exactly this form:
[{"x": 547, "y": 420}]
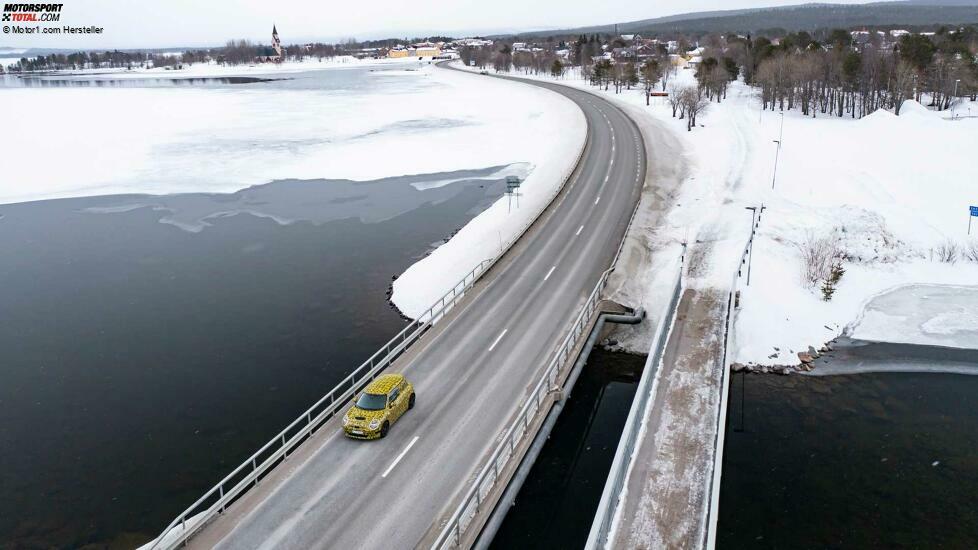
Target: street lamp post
[
  {"x": 954, "y": 99},
  {"x": 781, "y": 131},
  {"x": 777, "y": 153}
]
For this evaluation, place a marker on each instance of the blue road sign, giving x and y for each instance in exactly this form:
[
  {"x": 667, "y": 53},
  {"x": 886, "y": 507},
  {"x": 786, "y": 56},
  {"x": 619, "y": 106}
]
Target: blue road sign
[{"x": 974, "y": 211}]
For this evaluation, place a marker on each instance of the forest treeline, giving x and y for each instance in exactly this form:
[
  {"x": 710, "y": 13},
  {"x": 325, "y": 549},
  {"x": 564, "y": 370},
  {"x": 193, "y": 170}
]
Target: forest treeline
[
  {"x": 234, "y": 52},
  {"x": 835, "y": 74}
]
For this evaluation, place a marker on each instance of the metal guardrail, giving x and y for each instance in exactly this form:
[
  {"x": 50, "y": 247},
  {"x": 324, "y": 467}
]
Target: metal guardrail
[
  {"x": 249, "y": 473},
  {"x": 733, "y": 302},
  {"x": 533, "y": 407},
  {"x": 603, "y": 527},
  {"x": 614, "y": 485}
]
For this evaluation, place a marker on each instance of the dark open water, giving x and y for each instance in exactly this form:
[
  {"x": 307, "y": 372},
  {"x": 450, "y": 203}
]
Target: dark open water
[
  {"x": 141, "y": 361},
  {"x": 879, "y": 460},
  {"x": 557, "y": 502}
]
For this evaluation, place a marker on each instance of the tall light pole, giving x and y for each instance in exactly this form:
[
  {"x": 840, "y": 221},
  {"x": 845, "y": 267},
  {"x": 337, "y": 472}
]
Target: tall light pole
[
  {"x": 954, "y": 100},
  {"x": 777, "y": 153},
  {"x": 760, "y": 101},
  {"x": 781, "y": 131}
]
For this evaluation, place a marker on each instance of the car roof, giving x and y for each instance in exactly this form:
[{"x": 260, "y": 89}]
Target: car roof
[{"x": 384, "y": 383}]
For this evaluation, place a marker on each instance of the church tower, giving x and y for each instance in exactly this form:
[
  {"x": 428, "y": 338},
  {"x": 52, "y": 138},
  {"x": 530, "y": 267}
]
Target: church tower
[{"x": 276, "y": 43}]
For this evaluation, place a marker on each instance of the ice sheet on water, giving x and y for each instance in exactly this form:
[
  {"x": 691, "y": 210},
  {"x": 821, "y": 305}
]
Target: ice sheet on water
[
  {"x": 317, "y": 201},
  {"x": 937, "y": 315}
]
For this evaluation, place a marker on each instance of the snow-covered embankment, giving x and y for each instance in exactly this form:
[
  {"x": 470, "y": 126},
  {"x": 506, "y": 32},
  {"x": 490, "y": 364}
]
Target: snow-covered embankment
[{"x": 560, "y": 132}]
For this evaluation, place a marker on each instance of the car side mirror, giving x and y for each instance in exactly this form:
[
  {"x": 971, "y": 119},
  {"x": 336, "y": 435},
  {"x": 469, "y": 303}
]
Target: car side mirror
[{"x": 390, "y": 405}]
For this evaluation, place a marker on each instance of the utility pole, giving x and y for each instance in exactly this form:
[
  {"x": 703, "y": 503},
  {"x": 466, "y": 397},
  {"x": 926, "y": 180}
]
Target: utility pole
[
  {"x": 954, "y": 99},
  {"x": 777, "y": 153}
]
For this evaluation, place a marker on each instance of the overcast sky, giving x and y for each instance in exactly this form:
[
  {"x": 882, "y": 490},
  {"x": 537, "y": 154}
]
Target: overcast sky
[{"x": 163, "y": 23}]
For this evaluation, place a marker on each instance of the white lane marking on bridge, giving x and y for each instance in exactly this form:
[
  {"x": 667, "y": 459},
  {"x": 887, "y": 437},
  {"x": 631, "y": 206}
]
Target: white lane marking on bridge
[
  {"x": 549, "y": 273},
  {"x": 579, "y": 229},
  {"x": 498, "y": 338},
  {"x": 597, "y": 199},
  {"x": 400, "y": 456}
]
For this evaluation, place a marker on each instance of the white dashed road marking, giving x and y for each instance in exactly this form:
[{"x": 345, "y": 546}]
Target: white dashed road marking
[
  {"x": 400, "y": 456},
  {"x": 498, "y": 338}
]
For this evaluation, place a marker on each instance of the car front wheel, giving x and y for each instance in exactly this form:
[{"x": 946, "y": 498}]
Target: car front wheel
[
  {"x": 383, "y": 429},
  {"x": 411, "y": 402}
]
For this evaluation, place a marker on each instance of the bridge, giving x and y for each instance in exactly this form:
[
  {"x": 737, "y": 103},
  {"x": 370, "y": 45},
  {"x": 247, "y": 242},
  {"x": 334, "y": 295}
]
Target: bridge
[{"x": 484, "y": 361}]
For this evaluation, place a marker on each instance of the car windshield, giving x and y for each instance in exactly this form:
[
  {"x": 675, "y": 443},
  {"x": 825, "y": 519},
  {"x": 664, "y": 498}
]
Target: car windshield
[{"x": 372, "y": 402}]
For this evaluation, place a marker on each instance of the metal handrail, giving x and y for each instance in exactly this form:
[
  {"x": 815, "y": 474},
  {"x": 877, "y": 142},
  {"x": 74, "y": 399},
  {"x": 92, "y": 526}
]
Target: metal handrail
[
  {"x": 250, "y": 471},
  {"x": 710, "y": 519},
  {"x": 477, "y": 493},
  {"x": 452, "y": 532},
  {"x": 615, "y": 483}
]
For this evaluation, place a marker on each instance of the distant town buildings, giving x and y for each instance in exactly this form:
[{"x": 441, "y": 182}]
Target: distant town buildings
[{"x": 423, "y": 49}]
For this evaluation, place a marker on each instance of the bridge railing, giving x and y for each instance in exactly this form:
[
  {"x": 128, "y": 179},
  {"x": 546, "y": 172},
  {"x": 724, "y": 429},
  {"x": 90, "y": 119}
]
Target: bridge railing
[
  {"x": 615, "y": 483},
  {"x": 250, "y": 472},
  {"x": 476, "y": 497},
  {"x": 533, "y": 407}
]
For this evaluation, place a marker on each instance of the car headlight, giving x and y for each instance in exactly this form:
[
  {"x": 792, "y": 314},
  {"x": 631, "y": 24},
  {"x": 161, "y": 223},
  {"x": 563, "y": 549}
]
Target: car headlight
[
  {"x": 374, "y": 424},
  {"x": 346, "y": 420}
]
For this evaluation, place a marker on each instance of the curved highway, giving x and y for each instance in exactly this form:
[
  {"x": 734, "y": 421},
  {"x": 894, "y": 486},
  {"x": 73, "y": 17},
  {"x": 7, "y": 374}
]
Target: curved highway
[{"x": 471, "y": 372}]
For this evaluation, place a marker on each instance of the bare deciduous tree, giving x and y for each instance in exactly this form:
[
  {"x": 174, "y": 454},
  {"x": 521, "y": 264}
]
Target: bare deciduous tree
[
  {"x": 948, "y": 252},
  {"x": 818, "y": 254},
  {"x": 693, "y": 103}
]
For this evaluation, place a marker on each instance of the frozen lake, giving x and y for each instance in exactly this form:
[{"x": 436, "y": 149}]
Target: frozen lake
[
  {"x": 936, "y": 315},
  {"x": 149, "y": 343}
]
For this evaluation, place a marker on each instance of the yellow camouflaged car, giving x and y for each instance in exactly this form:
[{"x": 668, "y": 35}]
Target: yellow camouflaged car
[{"x": 382, "y": 402}]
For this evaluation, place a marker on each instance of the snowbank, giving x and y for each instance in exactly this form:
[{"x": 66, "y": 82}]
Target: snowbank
[
  {"x": 890, "y": 191},
  {"x": 491, "y": 232}
]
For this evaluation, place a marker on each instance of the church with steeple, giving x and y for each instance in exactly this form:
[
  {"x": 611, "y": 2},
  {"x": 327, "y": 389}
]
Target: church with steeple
[{"x": 273, "y": 54}]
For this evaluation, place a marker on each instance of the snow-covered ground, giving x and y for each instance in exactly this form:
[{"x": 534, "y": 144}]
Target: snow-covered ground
[
  {"x": 162, "y": 140},
  {"x": 888, "y": 191}
]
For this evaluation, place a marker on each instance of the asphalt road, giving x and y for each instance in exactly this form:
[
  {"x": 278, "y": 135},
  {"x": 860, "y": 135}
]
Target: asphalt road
[{"x": 471, "y": 375}]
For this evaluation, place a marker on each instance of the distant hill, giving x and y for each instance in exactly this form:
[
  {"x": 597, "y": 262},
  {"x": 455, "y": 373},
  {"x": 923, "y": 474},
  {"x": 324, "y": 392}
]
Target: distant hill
[{"x": 807, "y": 17}]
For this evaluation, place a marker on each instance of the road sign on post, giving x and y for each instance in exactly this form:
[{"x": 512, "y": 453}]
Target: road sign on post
[
  {"x": 974, "y": 214},
  {"x": 513, "y": 188}
]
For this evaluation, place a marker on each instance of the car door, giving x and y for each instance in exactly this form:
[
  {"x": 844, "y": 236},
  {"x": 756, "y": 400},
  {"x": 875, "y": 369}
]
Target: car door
[{"x": 394, "y": 402}]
